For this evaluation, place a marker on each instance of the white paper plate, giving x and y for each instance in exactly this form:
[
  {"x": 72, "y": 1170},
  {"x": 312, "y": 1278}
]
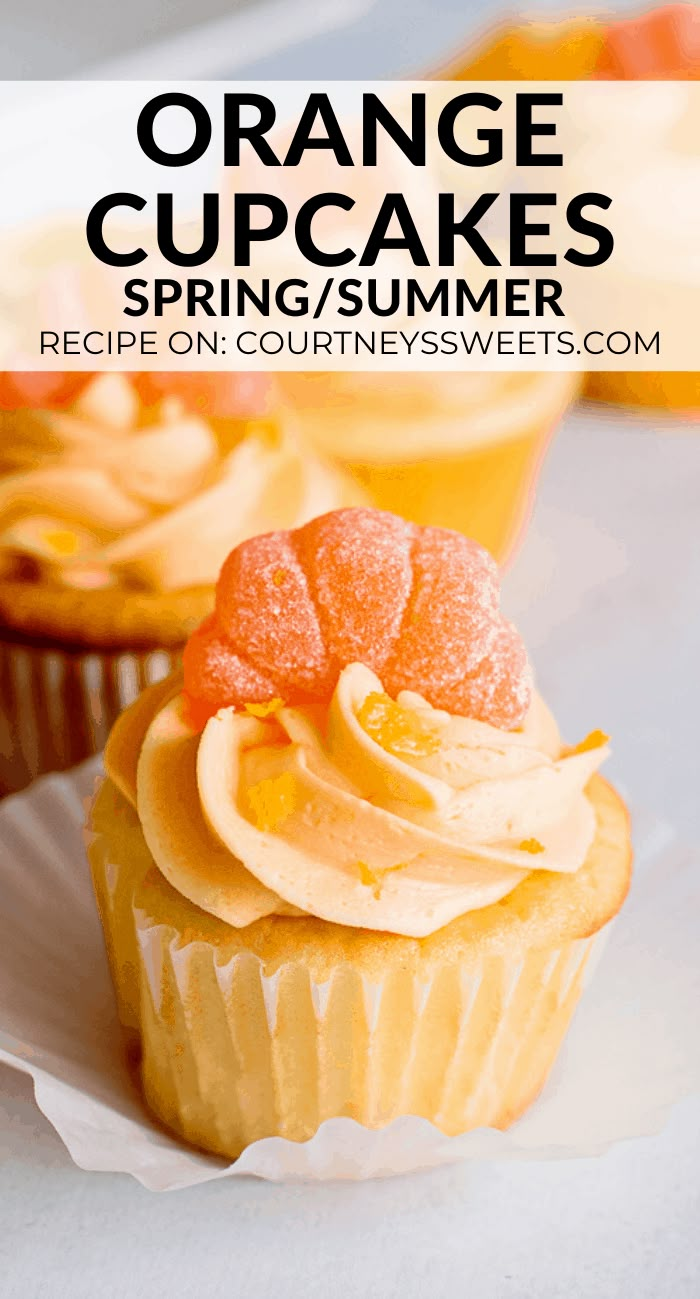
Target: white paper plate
[{"x": 632, "y": 1052}]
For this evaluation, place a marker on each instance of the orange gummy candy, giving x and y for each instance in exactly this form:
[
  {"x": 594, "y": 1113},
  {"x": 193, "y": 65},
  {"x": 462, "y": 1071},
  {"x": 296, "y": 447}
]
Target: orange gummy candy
[
  {"x": 499, "y": 690},
  {"x": 419, "y": 606},
  {"x": 452, "y": 616},
  {"x": 360, "y": 575},
  {"x": 663, "y": 44},
  {"x": 215, "y": 676},
  {"x": 33, "y": 389},
  {"x": 274, "y": 623}
]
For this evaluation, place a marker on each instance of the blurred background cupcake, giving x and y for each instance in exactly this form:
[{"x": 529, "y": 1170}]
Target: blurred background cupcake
[
  {"x": 460, "y": 451},
  {"x": 662, "y": 44},
  {"x": 119, "y": 497}
]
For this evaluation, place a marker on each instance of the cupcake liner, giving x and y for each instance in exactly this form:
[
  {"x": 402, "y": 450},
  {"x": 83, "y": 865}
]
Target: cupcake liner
[
  {"x": 631, "y": 1053},
  {"x": 231, "y": 1052},
  {"x": 231, "y": 1055},
  {"x": 57, "y": 706}
]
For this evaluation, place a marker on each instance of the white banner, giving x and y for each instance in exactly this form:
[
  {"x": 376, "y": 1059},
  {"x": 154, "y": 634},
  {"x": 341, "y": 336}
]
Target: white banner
[{"x": 383, "y": 226}]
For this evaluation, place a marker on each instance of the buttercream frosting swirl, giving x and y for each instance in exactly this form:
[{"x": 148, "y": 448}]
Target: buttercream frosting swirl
[
  {"x": 109, "y": 494},
  {"x": 369, "y": 812}
]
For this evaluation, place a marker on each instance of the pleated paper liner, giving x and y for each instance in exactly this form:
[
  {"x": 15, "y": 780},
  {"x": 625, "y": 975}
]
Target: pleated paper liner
[
  {"x": 230, "y": 1054},
  {"x": 57, "y": 706},
  {"x": 631, "y": 1053}
]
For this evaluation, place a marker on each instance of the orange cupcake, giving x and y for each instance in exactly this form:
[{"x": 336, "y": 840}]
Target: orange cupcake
[
  {"x": 119, "y": 500},
  {"x": 662, "y": 44},
  {"x": 348, "y": 868}
]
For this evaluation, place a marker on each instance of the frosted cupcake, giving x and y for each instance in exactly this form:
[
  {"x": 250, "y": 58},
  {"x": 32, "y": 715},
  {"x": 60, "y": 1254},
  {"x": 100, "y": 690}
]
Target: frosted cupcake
[
  {"x": 347, "y": 866},
  {"x": 117, "y": 509},
  {"x": 461, "y": 451},
  {"x": 662, "y": 44}
]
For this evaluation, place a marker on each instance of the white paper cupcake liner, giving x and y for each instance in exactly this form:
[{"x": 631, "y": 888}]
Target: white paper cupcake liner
[
  {"x": 230, "y": 1052},
  {"x": 232, "y": 1055},
  {"x": 632, "y": 1050}
]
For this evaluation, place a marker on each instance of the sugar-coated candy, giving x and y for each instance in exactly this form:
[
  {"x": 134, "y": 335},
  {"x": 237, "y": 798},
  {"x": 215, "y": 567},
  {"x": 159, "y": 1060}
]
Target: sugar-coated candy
[
  {"x": 360, "y": 575},
  {"x": 452, "y": 614},
  {"x": 419, "y": 606},
  {"x": 661, "y": 45},
  {"x": 499, "y": 690},
  {"x": 264, "y": 605},
  {"x": 215, "y": 676}
]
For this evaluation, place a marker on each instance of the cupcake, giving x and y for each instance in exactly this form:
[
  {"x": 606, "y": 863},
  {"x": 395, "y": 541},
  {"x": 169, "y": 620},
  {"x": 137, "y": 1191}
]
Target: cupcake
[
  {"x": 344, "y": 864},
  {"x": 458, "y": 450},
  {"x": 118, "y": 505},
  {"x": 662, "y": 44}
]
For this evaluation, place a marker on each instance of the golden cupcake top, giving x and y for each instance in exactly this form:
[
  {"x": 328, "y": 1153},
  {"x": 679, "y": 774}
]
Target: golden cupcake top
[{"x": 356, "y": 737}]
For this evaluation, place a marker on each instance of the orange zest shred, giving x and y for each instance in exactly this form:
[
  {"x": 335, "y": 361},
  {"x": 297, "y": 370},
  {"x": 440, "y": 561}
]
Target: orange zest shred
[
  {"x": 531, "y": 845},
  {"x": 373, "y": 879},
  {"x": 266, "y": 709},
  {"x": 273, "y": 800},
  {"x": 62, "y": 541},
  {"x": 397, "y": 730},
  {"x": 279, "y": 575},
  {"x": 594, "y": 740},
  {"x": 368, "y": 876}
]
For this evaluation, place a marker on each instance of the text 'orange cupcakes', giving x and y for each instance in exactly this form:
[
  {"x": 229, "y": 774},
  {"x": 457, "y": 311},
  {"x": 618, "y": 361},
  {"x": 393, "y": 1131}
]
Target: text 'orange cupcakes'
[{"x": 347, "y": 867}]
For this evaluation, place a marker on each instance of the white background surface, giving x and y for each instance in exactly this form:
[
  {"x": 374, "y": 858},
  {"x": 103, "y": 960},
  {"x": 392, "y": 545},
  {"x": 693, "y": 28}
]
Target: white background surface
[{"x": 606, "y": 591}]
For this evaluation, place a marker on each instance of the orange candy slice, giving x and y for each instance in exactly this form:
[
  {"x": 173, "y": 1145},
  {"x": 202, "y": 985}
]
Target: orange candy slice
[
  {"x": 33, "y": 389},
  {"x": 499, "y": 690},
  {"x": 264, "y": 606},
  {"x": 658, "y": 46},
  {"x": 417, "y": 605},
  {"x": 451, "y": 619},
  {"x": 360, "y": 576},
  {"x": 216, "y": 677}
]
